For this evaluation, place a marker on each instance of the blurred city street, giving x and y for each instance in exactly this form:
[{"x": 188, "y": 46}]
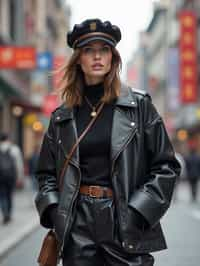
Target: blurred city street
[{"x": 163, "y": 61}]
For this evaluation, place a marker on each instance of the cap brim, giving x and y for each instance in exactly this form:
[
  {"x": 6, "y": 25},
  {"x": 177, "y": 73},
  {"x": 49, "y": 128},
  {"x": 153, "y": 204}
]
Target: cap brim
[{"x": 94, "y": 38}]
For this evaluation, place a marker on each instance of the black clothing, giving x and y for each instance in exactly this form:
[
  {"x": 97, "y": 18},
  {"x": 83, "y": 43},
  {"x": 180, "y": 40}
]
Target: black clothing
[
  {"x": 32, "y": 163},
  {"x": 6, "y": 201},
  {"x": 91, "y": 30},
  {"x": 193, "y": 165},
  {"x": 193, "y": 184},
  {"x": 8, "y": 176},
  {"x": 143, "y": 171},
  {"x": 32, "y": 166},
  {"x": 193, "y": 172},
  {"x": 95, "y": 147},
  {"x": 93, "y": 239}
]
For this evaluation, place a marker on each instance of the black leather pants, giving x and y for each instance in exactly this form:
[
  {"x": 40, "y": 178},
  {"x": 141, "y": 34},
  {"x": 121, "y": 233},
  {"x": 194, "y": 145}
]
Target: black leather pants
[{"x": 94, "y": 239}]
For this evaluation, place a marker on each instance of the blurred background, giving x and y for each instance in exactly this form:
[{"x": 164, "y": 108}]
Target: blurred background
[{"x": 161, "y": 55}]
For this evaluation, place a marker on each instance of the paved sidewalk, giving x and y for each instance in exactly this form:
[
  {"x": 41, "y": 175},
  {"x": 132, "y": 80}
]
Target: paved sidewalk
[{"x": 24, "y": 220}]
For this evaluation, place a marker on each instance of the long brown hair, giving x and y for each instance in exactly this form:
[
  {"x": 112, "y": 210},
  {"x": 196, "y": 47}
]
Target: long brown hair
[{"x": 72, "y": 83}]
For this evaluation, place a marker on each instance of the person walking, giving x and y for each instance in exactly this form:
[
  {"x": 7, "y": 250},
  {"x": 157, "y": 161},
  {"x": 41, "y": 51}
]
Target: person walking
[
  {"x": 8, "y": 176},
  {"x": 120, "y": 178},
  {"x": 192, "y": 160}
]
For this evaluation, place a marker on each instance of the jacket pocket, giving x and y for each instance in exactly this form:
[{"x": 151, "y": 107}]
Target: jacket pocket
[
  {"x": 59, "y": 225},
  {"x": 132, "y": 231}
]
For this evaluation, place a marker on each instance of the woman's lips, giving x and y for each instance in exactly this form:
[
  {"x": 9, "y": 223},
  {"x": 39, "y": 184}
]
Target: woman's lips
[{"x": 97, "y": 66}]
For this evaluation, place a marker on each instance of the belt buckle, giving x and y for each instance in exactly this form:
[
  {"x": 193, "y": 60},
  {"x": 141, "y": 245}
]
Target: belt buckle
[{"x": 91, "y": 191}]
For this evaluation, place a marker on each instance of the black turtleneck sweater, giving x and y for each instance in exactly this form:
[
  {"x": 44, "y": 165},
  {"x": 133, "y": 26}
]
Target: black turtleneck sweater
[{"x": 95, "y": 146}]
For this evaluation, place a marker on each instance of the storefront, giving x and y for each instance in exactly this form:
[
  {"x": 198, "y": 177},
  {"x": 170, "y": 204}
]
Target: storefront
[{"x": 15, "y": 105}]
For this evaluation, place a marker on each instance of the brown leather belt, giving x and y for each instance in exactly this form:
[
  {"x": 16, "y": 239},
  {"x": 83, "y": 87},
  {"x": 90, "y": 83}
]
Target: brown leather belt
[{"x": 96, "y": 191}]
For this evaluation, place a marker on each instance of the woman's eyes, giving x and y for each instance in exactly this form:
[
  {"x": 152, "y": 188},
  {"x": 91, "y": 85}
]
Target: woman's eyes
[
  {"x": 91, "y": 50},
  {"x": 87, "y": 49},
  {"x": 105, "y": 49}
]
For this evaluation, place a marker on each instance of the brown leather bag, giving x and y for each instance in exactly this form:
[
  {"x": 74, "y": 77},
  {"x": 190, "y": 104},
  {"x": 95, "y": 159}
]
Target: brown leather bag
[{"x": 49, "y": 252}]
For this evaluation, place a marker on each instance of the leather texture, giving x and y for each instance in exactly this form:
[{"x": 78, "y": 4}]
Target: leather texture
[
  {"x": 93, "y": 239},
  {"x": 143, "y": 171},
  {"x": 49, "y": 252}
]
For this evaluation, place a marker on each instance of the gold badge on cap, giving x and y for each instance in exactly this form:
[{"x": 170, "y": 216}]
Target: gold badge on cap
[{"x": 93, "y": 26}]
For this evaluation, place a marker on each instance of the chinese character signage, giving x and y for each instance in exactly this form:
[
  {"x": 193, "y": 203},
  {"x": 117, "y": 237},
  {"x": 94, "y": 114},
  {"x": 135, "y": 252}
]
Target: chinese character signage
[
  {"x": 17, "y": 57},
  {"x": 173, "y": 68},
  {"x": 188, "y": 57}
]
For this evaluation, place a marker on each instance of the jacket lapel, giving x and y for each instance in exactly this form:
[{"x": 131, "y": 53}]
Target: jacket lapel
[
  {"x": 67, "y": 132},
  {"x": 124, "y": 125}
]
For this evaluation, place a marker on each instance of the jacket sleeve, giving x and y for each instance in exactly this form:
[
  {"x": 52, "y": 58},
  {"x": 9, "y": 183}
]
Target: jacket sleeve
[
  {"x": 153, "y": 199},
  {"x": 47, "y": 195}
]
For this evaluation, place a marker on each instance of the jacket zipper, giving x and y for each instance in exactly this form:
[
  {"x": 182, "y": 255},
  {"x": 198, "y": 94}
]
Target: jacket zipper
[
  {"x": 117, "y": 199},
  {"x": 117, "y": 209},
  {"x": 66, "y": 230}
]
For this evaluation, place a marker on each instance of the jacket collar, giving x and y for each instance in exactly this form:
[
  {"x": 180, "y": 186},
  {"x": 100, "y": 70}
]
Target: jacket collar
[
  {"x": 63, "y": 113},
  {"x": 127, "y": 99}
]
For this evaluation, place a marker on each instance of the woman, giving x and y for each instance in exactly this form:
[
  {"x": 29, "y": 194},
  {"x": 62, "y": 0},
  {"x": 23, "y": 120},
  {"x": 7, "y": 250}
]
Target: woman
[{"x": 120, "y": 179}]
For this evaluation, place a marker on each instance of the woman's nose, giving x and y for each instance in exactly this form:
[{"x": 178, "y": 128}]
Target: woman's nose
[{"x": 97, "y": 53}]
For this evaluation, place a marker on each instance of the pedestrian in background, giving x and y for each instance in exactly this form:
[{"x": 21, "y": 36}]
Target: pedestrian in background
[
  {"x": 183, "y": 174},
  {"x": 19, "y": 161},
  {"x": 120, "y": 179},
  {"x": 193, "y": 171},
  {"x": 32, "y": 166},
  {"x": 9, "y": 164}
]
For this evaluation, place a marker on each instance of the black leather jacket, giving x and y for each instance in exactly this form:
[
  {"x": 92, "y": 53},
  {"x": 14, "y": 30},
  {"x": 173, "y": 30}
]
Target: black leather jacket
[{"x": 143, "y": 175}]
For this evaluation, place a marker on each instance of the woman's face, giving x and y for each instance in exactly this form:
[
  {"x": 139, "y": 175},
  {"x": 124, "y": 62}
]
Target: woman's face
[{"x": 95, "y": 61}]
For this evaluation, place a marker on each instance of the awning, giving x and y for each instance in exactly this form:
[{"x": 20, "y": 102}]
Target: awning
[
  {"x": 16, "y": 90},
  {"x": 26, "y": 105}
]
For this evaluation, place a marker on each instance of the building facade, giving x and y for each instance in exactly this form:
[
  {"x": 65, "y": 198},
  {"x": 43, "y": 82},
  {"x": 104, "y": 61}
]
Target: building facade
[
  {"x": 164, "y": 68},
  {"x": 34, "y": 29}
]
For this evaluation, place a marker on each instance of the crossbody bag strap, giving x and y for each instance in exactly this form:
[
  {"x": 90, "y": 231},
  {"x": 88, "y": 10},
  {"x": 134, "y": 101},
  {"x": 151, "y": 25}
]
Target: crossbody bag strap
[{"x": 76, "y": 144}]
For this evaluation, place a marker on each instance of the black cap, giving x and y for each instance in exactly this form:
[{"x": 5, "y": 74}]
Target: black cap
[{"x": 93, "y": 30}]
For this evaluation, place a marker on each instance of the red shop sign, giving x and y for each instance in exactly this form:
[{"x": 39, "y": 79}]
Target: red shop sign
[{"x": 17, "y": 57}]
